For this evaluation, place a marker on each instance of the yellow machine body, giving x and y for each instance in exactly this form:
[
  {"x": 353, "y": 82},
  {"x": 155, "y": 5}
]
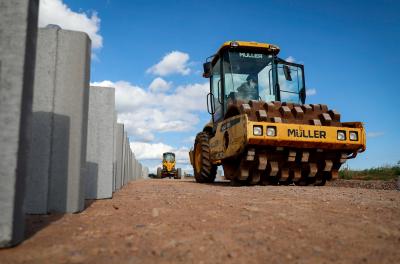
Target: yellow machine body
[
  {"x": 241, "y": 135},
  {"x": 168, "y": 167}
]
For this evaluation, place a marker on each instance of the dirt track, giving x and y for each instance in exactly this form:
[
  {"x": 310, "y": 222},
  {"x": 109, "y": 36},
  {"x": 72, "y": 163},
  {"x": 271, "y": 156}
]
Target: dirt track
[{"x": 180, "y": 221}]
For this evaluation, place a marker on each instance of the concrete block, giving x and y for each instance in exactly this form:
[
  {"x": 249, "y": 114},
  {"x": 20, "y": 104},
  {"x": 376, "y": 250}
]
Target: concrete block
[
  {"x": 60, "y": 110},
  {"x": 134, "y": 164},
  {"x": 124, "y": 158},
  {"x": 71, "y": 100},
  {"x": 134, "y": 176},
  {"x": 36, "y": 201},
  {"x": 140, "y": 171},
  {"x": 132, "y": 167},
  {"x": 18, "y": 29},
  {"x": 137, "y": 168},
  {"x": 128, "y": 150},
  {"x": 129, "y": 165},
  {"x": 100, "y": 139},
  {"x": 120, "y": 142},
  {"x": 115, "y": 152},
  {"x": 145, "y": 173},
  {"x": 135, "y": 171}
]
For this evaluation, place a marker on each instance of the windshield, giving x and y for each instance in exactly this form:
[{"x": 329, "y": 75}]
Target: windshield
[
  {"x": 253, "y": 76},
  {"x": 169, "y": 157},
  {"x": 248, "y": 76}
]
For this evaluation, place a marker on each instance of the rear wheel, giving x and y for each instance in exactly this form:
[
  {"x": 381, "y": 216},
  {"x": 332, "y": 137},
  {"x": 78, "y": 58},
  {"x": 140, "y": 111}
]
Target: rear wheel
[
  {"x": 159, "y": 173},
  {"x": 204, "y": 170}
]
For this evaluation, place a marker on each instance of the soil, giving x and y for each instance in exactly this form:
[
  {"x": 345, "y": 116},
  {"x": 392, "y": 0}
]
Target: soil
[{"x": 180, "y": 221}]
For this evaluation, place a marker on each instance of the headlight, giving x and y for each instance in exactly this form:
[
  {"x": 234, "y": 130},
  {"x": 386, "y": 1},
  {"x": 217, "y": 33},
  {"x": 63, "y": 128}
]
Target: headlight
[
  {"x": 271, "y": 131},
  {"x": 353, "y": 136},
  {"x": 257, "y": 130},
  {"x": 341, "y": 135}
]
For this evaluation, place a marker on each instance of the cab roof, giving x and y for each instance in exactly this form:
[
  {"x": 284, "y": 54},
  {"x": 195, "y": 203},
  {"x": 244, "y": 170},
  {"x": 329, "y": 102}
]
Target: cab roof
[
  {"x": 248, "y": 45},
  {"x": 251, "y": 45}
]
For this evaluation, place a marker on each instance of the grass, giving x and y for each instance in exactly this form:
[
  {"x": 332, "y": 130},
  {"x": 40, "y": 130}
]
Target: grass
[{"x": 384, "y": 173}]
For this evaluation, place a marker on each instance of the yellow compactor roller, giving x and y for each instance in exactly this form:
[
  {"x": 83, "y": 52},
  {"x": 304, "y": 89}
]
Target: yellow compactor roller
[{"x": 261, "y": 130}]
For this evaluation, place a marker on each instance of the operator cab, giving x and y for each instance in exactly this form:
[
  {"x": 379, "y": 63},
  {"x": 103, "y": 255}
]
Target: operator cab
[
  {"x": 169, "y": 157},
  {"x": 251, "y": 71}
]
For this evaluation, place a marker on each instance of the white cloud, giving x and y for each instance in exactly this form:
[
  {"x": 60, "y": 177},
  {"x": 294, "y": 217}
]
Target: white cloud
[
  {"x": 128, "y": 97},
  {"x": 159, "y": 85},
  {"x": 56, "y": 12},
  {"x": 311, "y": 91},
  {"x": 290, "y": 59},
  {"x": 173, "y": 62},
  {"x": 144, "y": 113},
  {"x": 375, "y": 134},
  {"x": 154, "y": 151}
]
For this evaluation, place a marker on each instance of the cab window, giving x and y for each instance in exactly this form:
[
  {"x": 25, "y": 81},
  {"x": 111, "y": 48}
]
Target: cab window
[
  {"x": 217, "y": 89},
  {"x": 290, "y": 78},
  {"x": 169, "y": 157}
]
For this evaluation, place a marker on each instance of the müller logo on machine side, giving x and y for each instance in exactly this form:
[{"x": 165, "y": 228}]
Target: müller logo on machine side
[{"x": 306, "y": 133}]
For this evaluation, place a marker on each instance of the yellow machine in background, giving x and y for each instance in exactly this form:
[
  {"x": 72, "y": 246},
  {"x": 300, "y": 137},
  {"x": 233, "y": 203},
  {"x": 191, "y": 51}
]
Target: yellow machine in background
[
  {"x": 168, "y": 167},
  {"x": 261, "y": 130}
]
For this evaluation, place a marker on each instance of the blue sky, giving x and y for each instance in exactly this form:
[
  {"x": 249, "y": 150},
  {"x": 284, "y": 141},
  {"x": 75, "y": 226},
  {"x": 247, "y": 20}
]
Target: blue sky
[{"x": 350, "y": 50}]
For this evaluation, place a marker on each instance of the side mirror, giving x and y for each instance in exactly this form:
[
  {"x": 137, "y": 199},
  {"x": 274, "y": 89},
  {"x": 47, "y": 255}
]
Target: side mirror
[
  {"x": 210, "y": 104},
  {"x": 303, "y": 95},
  {"x": 286, "y": 71},
  {"x": 207, "y": 69}
]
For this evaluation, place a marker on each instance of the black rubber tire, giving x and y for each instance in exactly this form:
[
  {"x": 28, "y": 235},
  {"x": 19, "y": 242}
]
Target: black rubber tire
[
  {"x": 206, "y": 172},
  {"x": 321, "y": 179},
  {"x": 159, "y": 173}
]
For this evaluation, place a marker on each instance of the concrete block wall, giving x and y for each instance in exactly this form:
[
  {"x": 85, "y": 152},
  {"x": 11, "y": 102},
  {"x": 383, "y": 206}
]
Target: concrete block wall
[
  {"x": 79, "y": 150},
  {"x": 57, "y": 167},
  {"x": 18, "y": 29}
]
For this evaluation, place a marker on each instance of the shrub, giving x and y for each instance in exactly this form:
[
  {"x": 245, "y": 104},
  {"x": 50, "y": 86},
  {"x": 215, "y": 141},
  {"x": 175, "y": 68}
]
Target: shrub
[{"x": 384, "y": 173}]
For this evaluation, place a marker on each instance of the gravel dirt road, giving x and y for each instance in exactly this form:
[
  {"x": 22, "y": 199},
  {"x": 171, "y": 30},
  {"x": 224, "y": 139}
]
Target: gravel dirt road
[{"x": 179, "y": 221}]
